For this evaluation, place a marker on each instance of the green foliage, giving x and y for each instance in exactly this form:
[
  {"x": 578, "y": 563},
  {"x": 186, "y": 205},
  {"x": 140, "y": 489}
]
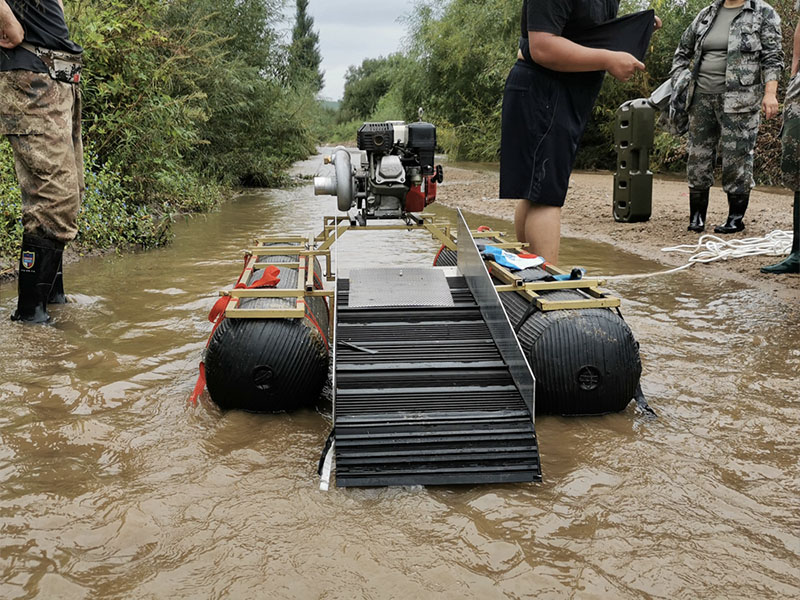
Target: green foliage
[
  {"x": 180, "y": 99},
  {"x": 109, "y": 216},
  {"x": 366, "y": 84},
  {"x": 461, "y": 52},
  {"x": 460, "y": 56},
  {"x": 304, "y": 55},
  {"x": 10, "y": 204}
]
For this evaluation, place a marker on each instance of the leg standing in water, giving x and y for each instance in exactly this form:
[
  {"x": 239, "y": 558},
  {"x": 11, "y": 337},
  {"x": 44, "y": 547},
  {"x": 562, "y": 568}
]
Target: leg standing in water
[
  {"x": 40, "y": 115},
  {"x": 548, "y": 98},
  {"x": 790, "y": 164}
]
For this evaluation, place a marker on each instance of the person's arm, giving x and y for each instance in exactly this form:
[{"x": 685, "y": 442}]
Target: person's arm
[
  {"x": 560, "y": 54},
  {"x": 771, "y": 61},
  {"x": 796, "y": 50},
  {"x": 11, "y": 32},
  {"x": 685, "y": 50}
]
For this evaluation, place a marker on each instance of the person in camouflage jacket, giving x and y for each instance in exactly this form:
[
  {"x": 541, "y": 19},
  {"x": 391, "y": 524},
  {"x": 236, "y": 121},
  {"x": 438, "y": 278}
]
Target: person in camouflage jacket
[
  {"x": 733, "y": 51},
  {"x": 790, "y": 163}
]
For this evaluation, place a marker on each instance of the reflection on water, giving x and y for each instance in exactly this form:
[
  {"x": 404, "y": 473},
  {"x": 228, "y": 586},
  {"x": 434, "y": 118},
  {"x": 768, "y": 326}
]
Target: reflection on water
[{"x": 113, "y": 487}]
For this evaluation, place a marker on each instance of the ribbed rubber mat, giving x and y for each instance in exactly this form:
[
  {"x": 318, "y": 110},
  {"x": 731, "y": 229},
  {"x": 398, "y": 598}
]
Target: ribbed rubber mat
[{"x": 423, "y": 397}]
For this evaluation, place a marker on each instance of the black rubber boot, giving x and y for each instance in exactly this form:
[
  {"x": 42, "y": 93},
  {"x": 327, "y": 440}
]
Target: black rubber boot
[
  {"x": 737, "y": 206},
  {"x": 38, "y": 266},
  {"x": 698, "y": 207},
  {"x": 791, "y": 264},
  {"x": 57, "y": 295}
]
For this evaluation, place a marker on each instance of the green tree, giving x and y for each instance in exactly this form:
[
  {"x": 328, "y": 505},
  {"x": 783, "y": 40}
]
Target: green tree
[
  {"x": 366, "y": 84},
  {"x": 304, "y": 54}
]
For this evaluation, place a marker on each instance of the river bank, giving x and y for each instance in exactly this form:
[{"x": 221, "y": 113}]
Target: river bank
[{"x": 587, "y": 215}]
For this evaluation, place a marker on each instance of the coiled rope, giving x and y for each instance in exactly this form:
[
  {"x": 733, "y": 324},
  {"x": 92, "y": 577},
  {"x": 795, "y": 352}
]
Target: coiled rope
[{"x": 710, "y": 248}]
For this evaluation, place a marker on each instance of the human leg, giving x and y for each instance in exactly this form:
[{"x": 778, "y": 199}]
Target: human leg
[
  {"x": 698, "y": 207},
  {"x": 57, "y": 295},
  {"x": 46, "y": 161},
  {"x": 790, "y": 167},
  {"x": 704, "y": 133},
  {"x": 791, "y": 264},
  {"x": 739, "y": 133},
  {"x": 542, "y": 230},
  {"x": 39, "y": 262}
]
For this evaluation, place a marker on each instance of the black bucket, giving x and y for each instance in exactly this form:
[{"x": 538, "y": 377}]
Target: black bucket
[
  {"x": 586, "y": 361},
  {"x": 270, "y": 365}
]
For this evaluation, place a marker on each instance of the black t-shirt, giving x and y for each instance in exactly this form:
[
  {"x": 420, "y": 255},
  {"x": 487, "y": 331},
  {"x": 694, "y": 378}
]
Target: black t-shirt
[
  {"x": 44, "y": 25},
  {"x": 565, "y": 17},
  {"x": 630, "y": 33}
]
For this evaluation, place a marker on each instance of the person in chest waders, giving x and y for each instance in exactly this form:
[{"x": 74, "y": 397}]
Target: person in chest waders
[
  {"x": 790, "y": 163},
  {"x": 40, "y": 109},
  {"x": 565, "y": 48}
]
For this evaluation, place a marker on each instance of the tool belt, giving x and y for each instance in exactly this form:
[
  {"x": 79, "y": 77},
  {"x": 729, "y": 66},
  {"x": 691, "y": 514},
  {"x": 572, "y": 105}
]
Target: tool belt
[{"x": 62, "y": 66}]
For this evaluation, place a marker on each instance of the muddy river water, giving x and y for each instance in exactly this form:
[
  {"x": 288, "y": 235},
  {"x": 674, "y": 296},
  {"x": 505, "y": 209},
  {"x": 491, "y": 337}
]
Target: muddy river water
[{"x": 113, "y": 486}]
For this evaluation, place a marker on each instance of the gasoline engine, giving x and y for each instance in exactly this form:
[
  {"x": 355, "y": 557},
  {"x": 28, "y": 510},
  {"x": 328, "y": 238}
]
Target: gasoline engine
[{"x": 390, "y": 175}]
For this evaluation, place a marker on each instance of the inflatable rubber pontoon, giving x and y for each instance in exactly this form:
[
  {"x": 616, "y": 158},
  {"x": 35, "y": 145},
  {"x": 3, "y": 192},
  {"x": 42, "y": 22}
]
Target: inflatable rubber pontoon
[{"x": 585, "y": 360}]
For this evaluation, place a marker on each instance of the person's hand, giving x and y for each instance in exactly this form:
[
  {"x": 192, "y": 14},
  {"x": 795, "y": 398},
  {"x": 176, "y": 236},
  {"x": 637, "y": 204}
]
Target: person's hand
[
  {"x": 658, "y": 23},
  {"x": 623, "y": 66},
  {"x": 770, "y": 105},
  {"x": 11, "y": 34}
]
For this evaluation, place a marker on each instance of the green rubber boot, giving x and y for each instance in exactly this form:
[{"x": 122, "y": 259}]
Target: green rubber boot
[{"x": 791, "y": 264}]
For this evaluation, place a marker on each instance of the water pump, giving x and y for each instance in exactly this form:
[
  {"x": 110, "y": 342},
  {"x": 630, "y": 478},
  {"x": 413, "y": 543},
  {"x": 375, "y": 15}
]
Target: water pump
[{"x": 392, "y": 172}]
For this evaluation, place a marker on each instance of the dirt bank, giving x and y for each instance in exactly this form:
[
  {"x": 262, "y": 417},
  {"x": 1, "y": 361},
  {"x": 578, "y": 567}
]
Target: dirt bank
[{"x": 587, "y": 215}]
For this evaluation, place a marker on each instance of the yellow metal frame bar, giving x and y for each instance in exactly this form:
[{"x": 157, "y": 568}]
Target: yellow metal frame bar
[
  {"x": 307, "y": 248},
  {"x": 335, "y": 227},
  {"x": 596, "y": 298}
]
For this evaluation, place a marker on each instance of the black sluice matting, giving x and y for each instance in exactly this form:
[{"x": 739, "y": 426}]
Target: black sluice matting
[{"x": 423, "y": 397}]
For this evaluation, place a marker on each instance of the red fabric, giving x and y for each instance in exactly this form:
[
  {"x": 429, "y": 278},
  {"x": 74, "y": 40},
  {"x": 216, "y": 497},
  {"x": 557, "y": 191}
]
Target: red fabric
[{"x": 200, "y": 385}]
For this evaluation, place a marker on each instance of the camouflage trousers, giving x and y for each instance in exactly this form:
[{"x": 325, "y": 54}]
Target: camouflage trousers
[
  {"x": 735, "y": 135},
  {"x": 790, "y": 162},
  {"x": 41, "y": 118}
]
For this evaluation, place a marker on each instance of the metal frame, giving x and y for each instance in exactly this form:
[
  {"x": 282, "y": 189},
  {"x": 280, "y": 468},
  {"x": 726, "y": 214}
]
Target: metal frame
[
  {"x": 595, "y": 297},
  {"x": 308, "y": 248},
  {"x": 473, "y": 267}
]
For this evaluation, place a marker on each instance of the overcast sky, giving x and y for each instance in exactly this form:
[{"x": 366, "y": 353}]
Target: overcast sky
[{"x": 352, "y": 30}]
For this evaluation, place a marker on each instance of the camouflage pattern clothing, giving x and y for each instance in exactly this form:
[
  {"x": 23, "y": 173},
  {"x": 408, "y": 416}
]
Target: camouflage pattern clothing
[
  {"x": 755, "y": 55},
  {"x": 790, "y": 162},
  {"x": 729, "y": 121},
  {"x": 735, "y": 134},
  {"x": 40, "y": 108},
  {"x": 41, "y": 118}
]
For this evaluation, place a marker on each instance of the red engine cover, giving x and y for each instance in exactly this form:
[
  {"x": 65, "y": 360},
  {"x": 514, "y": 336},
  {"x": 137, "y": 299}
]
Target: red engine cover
[{"x": 419, "y": 196}]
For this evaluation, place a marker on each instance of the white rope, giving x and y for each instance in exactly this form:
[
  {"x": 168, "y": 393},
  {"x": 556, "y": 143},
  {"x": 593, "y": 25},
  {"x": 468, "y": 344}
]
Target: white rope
[{"x": 710, "y": 248}]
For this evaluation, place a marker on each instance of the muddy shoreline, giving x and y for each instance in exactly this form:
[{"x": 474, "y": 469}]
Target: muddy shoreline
[{"x": 587, "y": 215}]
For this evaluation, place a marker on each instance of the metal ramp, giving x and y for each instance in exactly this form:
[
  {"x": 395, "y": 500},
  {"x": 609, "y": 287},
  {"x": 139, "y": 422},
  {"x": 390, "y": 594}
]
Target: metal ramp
[{"x": 431, "y": 387}]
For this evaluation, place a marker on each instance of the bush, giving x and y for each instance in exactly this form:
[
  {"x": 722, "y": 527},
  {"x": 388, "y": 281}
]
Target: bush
[
  {"x": 108, "y": 216},
  {"x": 461, "y": 52}
]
